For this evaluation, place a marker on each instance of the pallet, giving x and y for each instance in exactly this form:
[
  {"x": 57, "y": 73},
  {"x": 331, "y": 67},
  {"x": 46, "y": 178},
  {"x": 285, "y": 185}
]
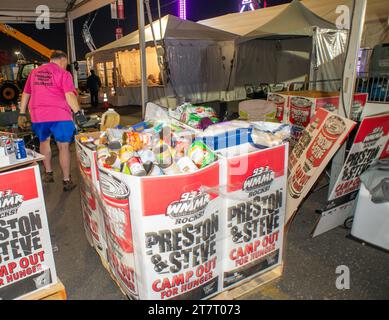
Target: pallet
[
  {"x": 250, "y": 285},
  {"x": 54, "y": 292}
]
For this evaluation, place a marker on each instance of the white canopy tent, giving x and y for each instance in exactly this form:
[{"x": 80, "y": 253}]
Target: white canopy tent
[
  {"x": 21, "y": 11},
  {"x": 196, "y": 63},
  {"x": 376, "y": 29},
  {"x": 295, "y": 44}
]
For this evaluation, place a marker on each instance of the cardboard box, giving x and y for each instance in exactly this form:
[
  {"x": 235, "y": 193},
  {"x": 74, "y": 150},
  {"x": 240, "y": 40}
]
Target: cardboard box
[
  {"x": 323, "y": 136},
  {"x": 298, "y": 107},
  {"x": 91, "y": 204},
  {"x": 254, "y": 213},
  {"x": 172, "y": 239},
  {"x": 26, "y": 255}
]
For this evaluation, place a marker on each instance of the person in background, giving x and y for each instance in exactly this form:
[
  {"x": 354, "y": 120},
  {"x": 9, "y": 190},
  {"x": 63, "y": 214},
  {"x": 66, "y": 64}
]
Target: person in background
[
  {"x": 51, "y": 96},
  {"x": 93, "y": 84}
]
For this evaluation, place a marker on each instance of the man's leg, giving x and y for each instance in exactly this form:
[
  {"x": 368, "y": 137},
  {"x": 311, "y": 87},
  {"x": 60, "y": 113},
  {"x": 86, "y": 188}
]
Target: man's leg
[
  {"x": 64, "y": 159},
  {"x": 63, "y": 132},
  {"x": 45, "y": 149},
  {"x": 92, "y": 98},
  {"x": 96, "y": 95},
  {"x": 42, "y": 131}
]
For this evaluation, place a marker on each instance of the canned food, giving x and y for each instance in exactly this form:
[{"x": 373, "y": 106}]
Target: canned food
[
  {"x": 186, "y": 165},
  {"x": 155, "y": 171},
  {"x": 102, "y": 152},
  {"x": 181, "y": 147},
  {"x": 113, "y": 160},
  {"x": 125, "y": 153},
  {"x": 7, "y": 143},
  {"x": 135, "y": 166},
  {"x": 200, "y": 154},
  {"x": 147, "y": 156},
  {"x": 137, "y": 140},
  {"x": 163, "y": 155},
  {"x": 20, "y": 149},
  {"x": 279, "y": 101},
  {"x": 300, "y": 111},
  {"x": 172, "y": 169}
]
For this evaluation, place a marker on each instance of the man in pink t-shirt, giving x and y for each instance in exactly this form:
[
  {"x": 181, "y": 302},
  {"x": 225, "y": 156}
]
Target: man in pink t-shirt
[{"x": 51, "y": 96}]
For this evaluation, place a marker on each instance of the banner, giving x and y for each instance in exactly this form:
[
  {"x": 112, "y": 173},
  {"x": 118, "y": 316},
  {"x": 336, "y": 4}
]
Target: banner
[
  {"x": 255, "y": 213},
  {"x": 369, "y": 145},
  {"x": 26, "y": 256},
  {"x": 91, "y": 204},
  {"x": 180, "y": 235},
  {"x": 323, "y": 136},
  {"x": 114, "y": 10}
]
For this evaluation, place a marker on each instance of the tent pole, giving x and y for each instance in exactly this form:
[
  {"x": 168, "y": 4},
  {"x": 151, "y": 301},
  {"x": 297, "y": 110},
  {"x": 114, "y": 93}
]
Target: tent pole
[
  {"x": 71, "y": 48},
  {"x": 313, "y": 61},
  {"x": 142, "y": 48},
  {"x": 348, "y": 82}
]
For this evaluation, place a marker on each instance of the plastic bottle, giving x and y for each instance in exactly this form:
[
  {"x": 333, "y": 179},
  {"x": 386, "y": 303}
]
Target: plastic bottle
[{"x": 109, "y": 119}]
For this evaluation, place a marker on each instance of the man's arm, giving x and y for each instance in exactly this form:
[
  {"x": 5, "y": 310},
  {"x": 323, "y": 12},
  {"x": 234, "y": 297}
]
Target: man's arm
[
  {"x": 72, "y": 101},
  {"x": 24, "y": 102}
]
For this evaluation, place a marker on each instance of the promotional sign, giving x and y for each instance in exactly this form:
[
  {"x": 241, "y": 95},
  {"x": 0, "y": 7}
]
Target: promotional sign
[
  {"x": 385, "y": 151},
  {"x": 255, "y": 212},
  {"x": 177, "y": 235},
  {"x": 118, "y": 32},
  {"x": 116, "y": 211},
  {"x": 281, "y": 102},
  {"x": 369, "y": 145},
  {"x": 298, "y": 107},
  {"x": 26, "y": 256},
  {"x": 90, "y": 198},
  {"x": 323, "y": 136}
]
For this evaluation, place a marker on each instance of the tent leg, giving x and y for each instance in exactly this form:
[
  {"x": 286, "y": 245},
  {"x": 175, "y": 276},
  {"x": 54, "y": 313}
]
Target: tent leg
[
  {"x": 348, "y": 81},
  {"x": 312, "y": 74},
  {"x": 142, "y": 48},
  {"x": 71, "y": 48}
]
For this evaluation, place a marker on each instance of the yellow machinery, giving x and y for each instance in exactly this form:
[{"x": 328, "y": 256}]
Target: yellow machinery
[
  {"x": 28, "y": 41},
  {"x": 9, "y": 90}
]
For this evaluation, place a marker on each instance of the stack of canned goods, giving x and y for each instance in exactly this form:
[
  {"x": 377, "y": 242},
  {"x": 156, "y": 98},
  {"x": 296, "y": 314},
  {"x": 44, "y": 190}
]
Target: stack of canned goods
[
  {"x": 11, "y": 145},
  {"x": 160, "y": 149}
]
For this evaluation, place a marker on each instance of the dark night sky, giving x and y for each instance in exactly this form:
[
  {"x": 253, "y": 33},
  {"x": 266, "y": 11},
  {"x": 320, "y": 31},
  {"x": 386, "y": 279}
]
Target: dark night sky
[{"x": 103, "y": 28}]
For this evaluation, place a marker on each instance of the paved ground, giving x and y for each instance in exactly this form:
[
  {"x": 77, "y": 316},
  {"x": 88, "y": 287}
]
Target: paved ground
[{"x": 310, "y": 263}]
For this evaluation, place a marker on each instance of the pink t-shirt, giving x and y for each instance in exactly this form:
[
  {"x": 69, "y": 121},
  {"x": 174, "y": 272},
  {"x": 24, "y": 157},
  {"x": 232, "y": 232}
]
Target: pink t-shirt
[{"x": 47, "y": 86}]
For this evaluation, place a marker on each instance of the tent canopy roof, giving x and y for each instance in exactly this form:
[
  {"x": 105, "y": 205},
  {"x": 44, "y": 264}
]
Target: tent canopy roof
[
  {"x": 22, "y": 11},
  {"x": 294, "y": 20},
  {"x": 172, "y": 28},
  {"x": 246, "y": 22}
]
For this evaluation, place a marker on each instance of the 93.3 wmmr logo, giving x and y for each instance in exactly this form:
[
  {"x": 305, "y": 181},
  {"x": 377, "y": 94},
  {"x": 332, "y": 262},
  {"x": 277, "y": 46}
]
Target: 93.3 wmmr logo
[{"x": 10, "y": 202}]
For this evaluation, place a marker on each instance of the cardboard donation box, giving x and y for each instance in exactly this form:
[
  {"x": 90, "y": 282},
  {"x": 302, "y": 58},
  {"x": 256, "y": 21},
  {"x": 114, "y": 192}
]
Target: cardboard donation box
[
  {"x": 254, "y": 186},
  {"x": 164, "y": 233},
  {"x": 26, "y": 256},
  {"x": 298, "y": 107},
  {"x": 91, "y": 203},
  {"x": 191, "y": 235}
]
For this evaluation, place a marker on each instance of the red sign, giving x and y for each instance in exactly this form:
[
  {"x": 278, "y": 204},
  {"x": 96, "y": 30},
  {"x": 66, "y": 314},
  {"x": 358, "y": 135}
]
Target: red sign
[{"x": 161, "y": 192}]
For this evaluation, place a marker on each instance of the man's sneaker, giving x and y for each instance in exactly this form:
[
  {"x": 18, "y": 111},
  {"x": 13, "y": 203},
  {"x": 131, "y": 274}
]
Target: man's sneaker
[
  {"x": 48, "y": 177},
  {"x": 68, "y": 185}
]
